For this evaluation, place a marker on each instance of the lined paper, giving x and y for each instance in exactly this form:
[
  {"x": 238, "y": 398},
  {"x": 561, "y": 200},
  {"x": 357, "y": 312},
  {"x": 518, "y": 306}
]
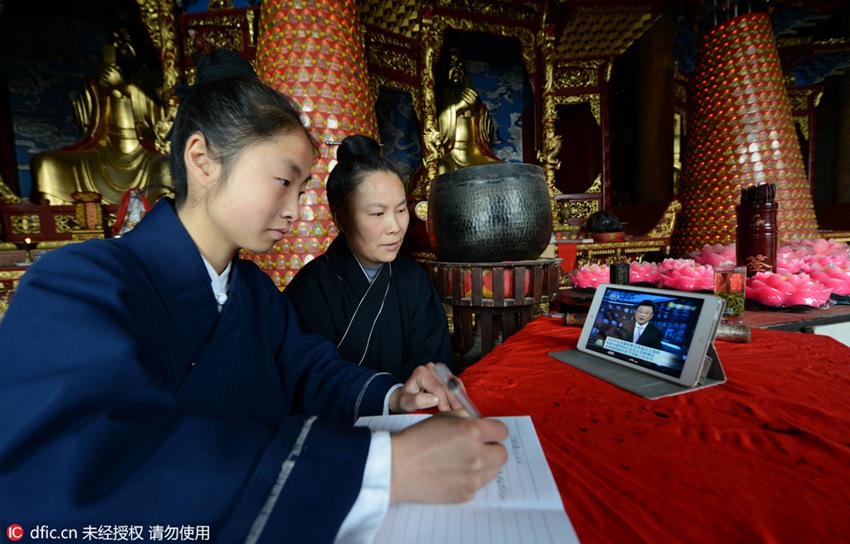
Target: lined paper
[{"x": 521, "y": 506}]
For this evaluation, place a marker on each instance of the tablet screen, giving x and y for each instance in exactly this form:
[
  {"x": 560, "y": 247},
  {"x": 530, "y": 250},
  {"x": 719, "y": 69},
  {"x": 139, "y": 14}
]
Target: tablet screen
[{"x": 651, "y": 330}]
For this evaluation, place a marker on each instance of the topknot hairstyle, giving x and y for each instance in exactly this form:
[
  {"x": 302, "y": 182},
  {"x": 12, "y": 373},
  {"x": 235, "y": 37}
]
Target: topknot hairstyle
[
  {"x": 231, "y": 108},
  {"x": 357, "y": 156},
  {"x": 355, "y": 146}
]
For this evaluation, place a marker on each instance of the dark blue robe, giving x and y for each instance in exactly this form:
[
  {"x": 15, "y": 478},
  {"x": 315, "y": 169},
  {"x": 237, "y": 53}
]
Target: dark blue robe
[
  {"x": 127, "y": 399},
  {"x": 394, "y": 324}
]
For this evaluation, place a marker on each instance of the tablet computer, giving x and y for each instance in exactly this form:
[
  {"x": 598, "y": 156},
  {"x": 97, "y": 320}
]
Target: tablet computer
[{"x": 659, "y": 332}]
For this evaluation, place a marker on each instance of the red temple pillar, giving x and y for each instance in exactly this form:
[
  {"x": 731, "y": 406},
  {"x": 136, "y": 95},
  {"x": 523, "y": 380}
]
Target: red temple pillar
[
  {"x": 312, "y": 51},
  {"x": 739, "y": 133}
]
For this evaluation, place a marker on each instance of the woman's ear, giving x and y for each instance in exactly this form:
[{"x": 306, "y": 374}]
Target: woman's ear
[
  {"x": 336, "y": 216},
  {"x": 199, "y": 165}
]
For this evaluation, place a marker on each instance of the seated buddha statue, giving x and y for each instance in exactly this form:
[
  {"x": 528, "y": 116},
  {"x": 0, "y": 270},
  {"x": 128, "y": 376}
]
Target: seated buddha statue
[
  {"x": 117, "y": 151},
  {"x": 464, "y": 123}
]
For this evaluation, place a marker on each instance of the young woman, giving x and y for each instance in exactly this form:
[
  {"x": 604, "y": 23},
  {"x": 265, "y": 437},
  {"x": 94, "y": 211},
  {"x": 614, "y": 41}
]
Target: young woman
[
  {"x": 157, "y": 380},
  {"x": 380, "y": 309}
]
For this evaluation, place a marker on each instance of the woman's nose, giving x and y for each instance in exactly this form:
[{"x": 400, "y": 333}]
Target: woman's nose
[
  {"x": 394, "y": 223},
  {"x": 291, "y": 207}
]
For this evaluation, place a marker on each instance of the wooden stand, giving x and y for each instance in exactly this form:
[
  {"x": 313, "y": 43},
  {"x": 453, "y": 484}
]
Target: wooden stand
[{"x": 497, "y": 296}]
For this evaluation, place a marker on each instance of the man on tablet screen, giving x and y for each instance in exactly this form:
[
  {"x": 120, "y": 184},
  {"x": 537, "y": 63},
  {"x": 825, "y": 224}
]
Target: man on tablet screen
[{"x": 640, "y": 330}]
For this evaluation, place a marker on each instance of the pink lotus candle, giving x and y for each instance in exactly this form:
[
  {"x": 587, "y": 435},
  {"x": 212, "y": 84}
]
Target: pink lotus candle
[
  {"x": 715, "y": 255},
  {"x": 591, "y": 275},
  {"x": 775, "y": 289},
  {"x": 686, "y": 275},
  {"x": 644, "y": 272},
  {"x": 835, "y": 277}
]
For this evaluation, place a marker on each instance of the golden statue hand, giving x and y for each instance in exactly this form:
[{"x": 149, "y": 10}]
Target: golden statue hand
[
  {"x": 110, "y": 78},
  {"x": 466, "y": 102}
]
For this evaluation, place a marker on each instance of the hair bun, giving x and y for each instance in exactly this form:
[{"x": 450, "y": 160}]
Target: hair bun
[
  {"x": 356, "y": 145},
  {"x": 213, "y": 64},
  {"x": 221, "y": 64}
]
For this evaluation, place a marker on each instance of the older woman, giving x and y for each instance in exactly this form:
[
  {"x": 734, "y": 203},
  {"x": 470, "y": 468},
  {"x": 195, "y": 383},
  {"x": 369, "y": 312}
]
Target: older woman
[{"x": 379, "y": 308}]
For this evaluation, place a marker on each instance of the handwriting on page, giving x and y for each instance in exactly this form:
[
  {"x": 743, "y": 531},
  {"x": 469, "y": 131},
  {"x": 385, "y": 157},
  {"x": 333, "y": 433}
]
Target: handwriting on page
[{"x": 522, "y": 505}]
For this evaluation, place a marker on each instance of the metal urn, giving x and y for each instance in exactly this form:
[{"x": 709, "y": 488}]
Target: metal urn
[{"x": 490, "y": 213}]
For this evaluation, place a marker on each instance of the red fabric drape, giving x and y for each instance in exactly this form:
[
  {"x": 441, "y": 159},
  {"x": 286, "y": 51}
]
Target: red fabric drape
[{"x": 764, "y": 457}]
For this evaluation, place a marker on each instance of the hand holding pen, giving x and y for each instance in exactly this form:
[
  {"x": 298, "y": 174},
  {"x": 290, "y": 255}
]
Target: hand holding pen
[
  {"x": 455, "y": 387},
  {"x": 431, "y": 386},
  {"x": 446, "y": 459}
]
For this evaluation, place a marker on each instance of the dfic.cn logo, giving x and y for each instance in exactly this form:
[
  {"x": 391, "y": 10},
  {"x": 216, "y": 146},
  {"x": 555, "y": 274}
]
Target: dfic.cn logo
[{"x": 14, "y": 532}]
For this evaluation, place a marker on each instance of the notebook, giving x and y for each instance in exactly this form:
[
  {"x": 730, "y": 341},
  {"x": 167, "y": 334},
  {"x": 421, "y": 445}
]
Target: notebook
[{"x": 521, "y": 506}]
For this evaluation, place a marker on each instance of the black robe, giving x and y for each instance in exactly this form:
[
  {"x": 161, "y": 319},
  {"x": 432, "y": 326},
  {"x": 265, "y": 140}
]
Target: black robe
[{"x": 394, "y": 324}]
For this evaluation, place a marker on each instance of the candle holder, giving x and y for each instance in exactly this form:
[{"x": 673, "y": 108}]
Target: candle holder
[
  {"x": 28, "y": 250},
  {"x": 27, "y": 247}
]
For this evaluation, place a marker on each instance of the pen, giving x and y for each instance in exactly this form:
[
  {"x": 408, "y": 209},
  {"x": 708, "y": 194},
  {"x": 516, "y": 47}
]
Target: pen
[{"x": 455, "y": 388}]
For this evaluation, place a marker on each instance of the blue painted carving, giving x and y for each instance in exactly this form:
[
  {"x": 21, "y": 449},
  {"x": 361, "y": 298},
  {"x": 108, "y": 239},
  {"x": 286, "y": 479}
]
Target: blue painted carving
[{"x": 399, "y": 128}]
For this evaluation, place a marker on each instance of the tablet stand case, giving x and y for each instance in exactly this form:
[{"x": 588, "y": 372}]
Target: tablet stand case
[{"x": 638, "y": 382}]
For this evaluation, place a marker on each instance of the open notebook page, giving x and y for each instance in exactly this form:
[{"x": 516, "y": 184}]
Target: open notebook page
[{"x": 522, "y": 505}]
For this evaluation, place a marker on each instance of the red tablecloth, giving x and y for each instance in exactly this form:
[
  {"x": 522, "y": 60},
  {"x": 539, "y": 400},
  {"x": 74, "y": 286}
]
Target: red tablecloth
[{"x": 764, "y": 457}]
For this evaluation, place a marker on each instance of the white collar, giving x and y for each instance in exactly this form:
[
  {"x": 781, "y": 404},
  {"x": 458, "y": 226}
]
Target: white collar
[{"x": 219, "y": 283}]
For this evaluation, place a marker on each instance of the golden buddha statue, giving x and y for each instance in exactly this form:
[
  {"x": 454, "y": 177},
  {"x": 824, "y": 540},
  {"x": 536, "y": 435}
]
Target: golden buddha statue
[
  {"x": 117, "y": 151},
  {"x": 464, "y": 123}
]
